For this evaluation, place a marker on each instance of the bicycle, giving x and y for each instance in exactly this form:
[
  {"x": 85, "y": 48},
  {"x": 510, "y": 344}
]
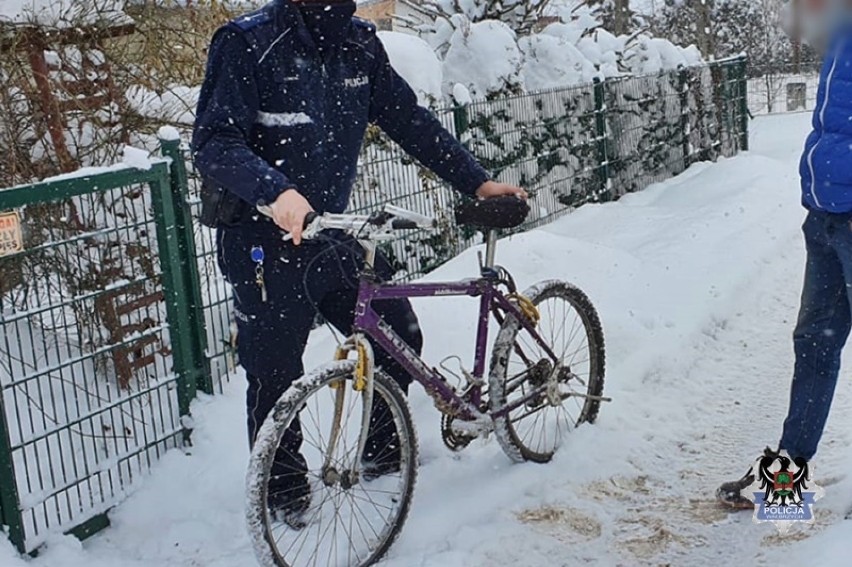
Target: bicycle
[{"x": 351, "y": 518}]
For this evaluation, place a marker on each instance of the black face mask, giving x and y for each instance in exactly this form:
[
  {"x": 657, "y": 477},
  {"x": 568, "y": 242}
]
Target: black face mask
[{"x": 328, "y": 23}]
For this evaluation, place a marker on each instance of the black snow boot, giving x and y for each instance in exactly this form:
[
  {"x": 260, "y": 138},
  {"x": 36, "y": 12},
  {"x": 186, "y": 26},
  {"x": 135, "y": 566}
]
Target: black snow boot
[
  {"x": 730, "y": 494},
  {"x": 382, "y": 455},
  {"x": 288, "y": 501}
]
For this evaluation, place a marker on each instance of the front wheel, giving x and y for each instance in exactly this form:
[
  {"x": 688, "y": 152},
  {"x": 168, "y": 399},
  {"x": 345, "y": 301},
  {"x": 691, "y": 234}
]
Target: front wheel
[
  {"x": 555, "y": 379},
  {"x": 340, "y": 508}
]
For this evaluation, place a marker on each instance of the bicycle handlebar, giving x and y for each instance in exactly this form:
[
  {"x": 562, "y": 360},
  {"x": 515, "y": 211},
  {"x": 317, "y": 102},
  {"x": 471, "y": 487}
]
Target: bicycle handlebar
[{"x": 377, "y": 226}]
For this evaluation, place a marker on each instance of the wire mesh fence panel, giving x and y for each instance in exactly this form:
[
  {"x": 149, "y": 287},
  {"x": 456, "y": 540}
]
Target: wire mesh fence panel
[
  {"x": 646, "y": 131},
  {"x": 387, "y": 175},
  {"x": 90, "y": 398},
  {"x": 791, "y": 88},
  {"x": 545, "y": 142}
]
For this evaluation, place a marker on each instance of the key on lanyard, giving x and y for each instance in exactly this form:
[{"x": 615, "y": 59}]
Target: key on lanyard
[{"x": 257, "y": 257}]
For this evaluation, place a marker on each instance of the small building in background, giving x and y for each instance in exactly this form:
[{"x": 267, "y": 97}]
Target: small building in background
[{"x": 380, "y": 12}]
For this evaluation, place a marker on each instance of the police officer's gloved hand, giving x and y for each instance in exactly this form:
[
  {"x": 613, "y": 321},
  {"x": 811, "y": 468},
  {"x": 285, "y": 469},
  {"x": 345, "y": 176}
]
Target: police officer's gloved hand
[{"x": 289, "y": 211}]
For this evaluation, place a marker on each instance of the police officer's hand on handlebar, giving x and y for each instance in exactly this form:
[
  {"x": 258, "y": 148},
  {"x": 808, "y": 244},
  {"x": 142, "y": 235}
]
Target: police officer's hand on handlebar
[
  {"x": 496, "y": 189},
  {"x": 289, "y": 211}
]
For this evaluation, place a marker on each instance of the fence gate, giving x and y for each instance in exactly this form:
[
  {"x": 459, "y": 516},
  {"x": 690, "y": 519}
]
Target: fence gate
[{"x": 98, "y": 358}]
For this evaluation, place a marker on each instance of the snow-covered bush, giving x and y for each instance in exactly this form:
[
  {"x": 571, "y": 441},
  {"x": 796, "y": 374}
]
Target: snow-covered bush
[
  {"x": 551, "y": 62},
  {"x": 417, "y": 63},
  {"x": 648, "y": 55},
  {"x": 436, "y": 20},
  {"x": 483, "y": 57},
  {"x": 485, "y": 52}
]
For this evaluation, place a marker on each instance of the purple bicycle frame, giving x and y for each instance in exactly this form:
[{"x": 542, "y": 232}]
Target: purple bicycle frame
[{"x": 370, "y": 323}]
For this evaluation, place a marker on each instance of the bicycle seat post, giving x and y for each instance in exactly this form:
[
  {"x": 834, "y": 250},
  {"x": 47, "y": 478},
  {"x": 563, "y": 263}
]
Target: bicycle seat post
[{"x": 490, "y": 248}]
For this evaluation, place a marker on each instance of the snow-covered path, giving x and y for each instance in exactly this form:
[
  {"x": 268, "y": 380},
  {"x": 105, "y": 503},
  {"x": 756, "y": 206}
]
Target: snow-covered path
[{"x": 697, "y": 284}]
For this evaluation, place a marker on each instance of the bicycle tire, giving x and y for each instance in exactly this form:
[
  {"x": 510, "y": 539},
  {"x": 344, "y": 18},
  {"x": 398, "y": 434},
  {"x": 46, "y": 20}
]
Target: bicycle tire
[
  {"x": 337, "y": 374},
  {"x": 506, "y": 345}
]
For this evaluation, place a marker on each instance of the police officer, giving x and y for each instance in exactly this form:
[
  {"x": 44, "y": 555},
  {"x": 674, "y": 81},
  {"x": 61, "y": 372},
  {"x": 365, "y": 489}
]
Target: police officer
[{"x": 289, "y": 92}]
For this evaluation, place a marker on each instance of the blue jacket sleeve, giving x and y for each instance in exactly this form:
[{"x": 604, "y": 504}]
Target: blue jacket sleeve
[
  {"x": 227, "y": 109},
  {"x": 394, "y": 108}
]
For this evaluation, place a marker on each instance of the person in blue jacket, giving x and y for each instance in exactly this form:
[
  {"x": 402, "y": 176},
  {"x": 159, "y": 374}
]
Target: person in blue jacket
[
  {"x": 825, "y": 316},
  {"x": 288, "y": 94}
]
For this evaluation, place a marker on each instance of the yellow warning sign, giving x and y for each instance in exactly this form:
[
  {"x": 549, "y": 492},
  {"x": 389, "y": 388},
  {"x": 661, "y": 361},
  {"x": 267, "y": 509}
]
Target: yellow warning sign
[{"x": 11, "y": 240}]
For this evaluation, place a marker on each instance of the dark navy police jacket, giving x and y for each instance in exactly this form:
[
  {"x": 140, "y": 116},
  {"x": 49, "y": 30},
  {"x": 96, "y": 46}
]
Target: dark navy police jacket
[{"x": 273, "y": 114}]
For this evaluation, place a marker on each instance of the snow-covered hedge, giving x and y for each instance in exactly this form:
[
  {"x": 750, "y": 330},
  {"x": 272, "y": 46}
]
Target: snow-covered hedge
[{"x": 487, "y": 57}]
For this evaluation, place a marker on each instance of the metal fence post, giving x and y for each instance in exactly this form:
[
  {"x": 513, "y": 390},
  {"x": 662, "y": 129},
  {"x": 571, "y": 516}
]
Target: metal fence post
[
  {"x": 461, "y": 120},
  {"x": 175, "y": 284},
  {"x": 602, "y": 139},
  {"x": 10, "y": 502},
  {"x": 742, "y": 94},
  {"x": 685, "y": 126},
  {"x": 188, "y": 264}
]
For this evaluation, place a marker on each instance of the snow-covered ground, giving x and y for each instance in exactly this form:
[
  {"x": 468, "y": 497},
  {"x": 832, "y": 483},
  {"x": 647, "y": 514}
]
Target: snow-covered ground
[{"x": 697, "y": 282}]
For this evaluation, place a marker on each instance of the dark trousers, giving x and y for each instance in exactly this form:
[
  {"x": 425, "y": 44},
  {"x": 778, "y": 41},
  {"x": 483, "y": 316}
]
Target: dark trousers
[
  {"x": 301, "y": 281},
  {"x": 823, "y": 327}
]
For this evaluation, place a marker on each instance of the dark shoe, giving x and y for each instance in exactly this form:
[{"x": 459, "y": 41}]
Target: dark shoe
[
  {"x": 730, "y": 494},
  {"x": 289, "y": 504},
  {"x": 382, "y": 454}
]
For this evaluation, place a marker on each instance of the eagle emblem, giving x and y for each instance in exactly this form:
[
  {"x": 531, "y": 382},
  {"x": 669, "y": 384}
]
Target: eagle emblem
[
  {"x": 782, "y": 486},
  {"x": 784, "y": 491}
]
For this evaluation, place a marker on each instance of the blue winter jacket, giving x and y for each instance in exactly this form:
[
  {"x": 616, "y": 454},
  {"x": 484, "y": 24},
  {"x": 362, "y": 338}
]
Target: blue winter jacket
[
  {"x": 273, "y": 114},
  {"x": 826, "y": 165}
]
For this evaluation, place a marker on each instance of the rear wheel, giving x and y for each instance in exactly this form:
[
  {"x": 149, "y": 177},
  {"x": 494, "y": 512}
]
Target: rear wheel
[
  {"x": 347, "y": 519},
  {"x": 568, "y": 380}
]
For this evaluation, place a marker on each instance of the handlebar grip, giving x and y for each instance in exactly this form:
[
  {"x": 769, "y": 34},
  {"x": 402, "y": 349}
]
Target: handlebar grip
[{"x": 309, "y": 218}]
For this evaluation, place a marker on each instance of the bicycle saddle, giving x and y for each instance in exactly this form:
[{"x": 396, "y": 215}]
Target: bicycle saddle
[{"x": 496, "y": 212}]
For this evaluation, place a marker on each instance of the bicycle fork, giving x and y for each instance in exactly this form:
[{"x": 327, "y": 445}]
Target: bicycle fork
[{"x": 364, "y": 384}]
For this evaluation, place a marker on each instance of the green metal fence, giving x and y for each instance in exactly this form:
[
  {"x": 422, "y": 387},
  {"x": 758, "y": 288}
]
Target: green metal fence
[
  {"x": 114, "y": 314},
  {"x": 99, "y": 345},
  {"x": 567, "y": 147}
]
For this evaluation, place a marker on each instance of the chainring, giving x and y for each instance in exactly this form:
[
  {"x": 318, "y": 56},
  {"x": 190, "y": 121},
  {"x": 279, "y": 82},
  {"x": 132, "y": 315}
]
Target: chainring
[{"x": 453, "y": 440}]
